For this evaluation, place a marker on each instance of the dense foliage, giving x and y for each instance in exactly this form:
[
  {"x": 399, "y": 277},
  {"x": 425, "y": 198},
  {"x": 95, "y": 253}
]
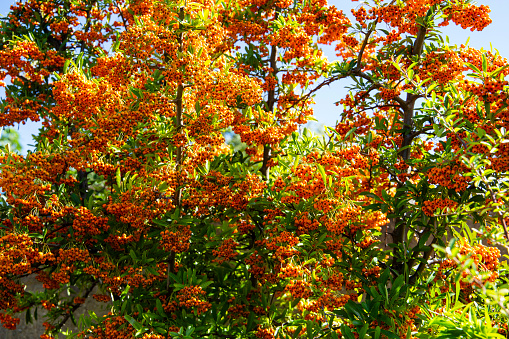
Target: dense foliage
[{"x": 385, "y": 226}]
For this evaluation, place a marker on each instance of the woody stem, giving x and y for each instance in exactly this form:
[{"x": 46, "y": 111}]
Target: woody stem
[
  {"x": 177, "y": 198},
  {"x": 271, "y": 99}
]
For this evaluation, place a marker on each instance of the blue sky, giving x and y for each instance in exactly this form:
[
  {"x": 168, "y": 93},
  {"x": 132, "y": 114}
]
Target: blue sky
[{"x": 325, "y": 111}]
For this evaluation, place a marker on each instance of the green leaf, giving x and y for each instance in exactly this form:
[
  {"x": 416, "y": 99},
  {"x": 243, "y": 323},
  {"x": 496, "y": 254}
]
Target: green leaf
[
  {"x": 390, "y": 334},
  {"x": 472, "y": 67},
  {"x": 354, "y": 308},
  {"x": 350, "y": 132},
  {"x": 377, "y": 332},
  {"x": 118, "y": 177},
  {"x": 250, "y": 321},
  {"x": 363, "y": 331},
  {"x": 189, "y": 331},
  {"x": 28, "y": 317},
  {"x": 487, "y": 108},
  {"x": 322, "y": 173},
  {"x": 137, "y": 326},
  {"x": 386, "y": 196},
  {"x": 497, "y": 71},
  {"x": 75, "y": 199},
  {"x": 152, "y": 271},
  {"x": 125, "y": 291},
  {"x": 297, "y": 332},
  {"x": 345, "y": 330},
  {"x": 133, "y": 255},
  {"x": 480, "y": 132},
  {"x": 431, "y": 87}
]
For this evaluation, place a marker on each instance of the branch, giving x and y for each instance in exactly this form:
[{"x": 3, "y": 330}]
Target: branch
[
  {"x": 75, "y": 307},
  {"x": 421, "y": 131},
  {"x": 419, "y": 41},
  {"x": 308, "y": 95},
  {"x": 410, "y": 100},
  {"x": 401, "y": 102},
  {"x": 394, "y": 175},
  {"x": 121, "y": 15},
  {"x": 87, "y": 25},
  {"x": 58, "y": 229},
  {"x": 377, "y": 106},
  {"x": 363, "y": 47},
  {"x": 178, "y": 192},
  {"x": 423, "y": 263},
  {"x": 271, "y": 99}
]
